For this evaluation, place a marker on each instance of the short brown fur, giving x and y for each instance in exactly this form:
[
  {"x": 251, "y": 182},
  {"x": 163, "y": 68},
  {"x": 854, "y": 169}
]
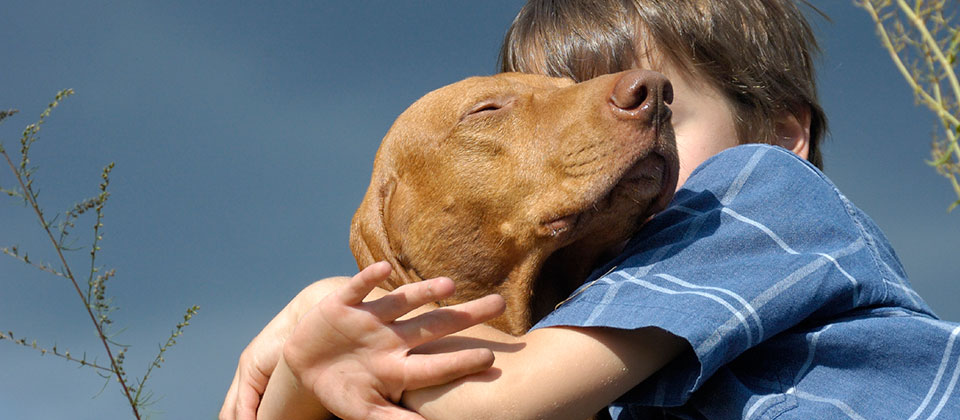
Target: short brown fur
[{"x": 485, "y": 180}]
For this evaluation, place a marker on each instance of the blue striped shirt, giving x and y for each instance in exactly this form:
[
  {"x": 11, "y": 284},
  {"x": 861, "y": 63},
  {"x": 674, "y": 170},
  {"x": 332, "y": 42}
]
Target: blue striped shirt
[{"x": 793, "y": 302}]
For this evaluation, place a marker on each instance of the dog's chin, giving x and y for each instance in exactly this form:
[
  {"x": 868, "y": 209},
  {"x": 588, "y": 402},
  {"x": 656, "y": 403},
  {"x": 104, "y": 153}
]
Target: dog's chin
[
  {"x": 643, "y": 190},
  {"x": 668, "y": 186}
]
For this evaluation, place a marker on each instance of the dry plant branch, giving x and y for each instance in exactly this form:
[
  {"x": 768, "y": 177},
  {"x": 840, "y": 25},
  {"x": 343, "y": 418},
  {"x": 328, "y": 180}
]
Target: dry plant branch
[
  {"x": 923, "y": 41},
  {"x": 54, "y": 351},
  {"x": 96, "y": 303}
]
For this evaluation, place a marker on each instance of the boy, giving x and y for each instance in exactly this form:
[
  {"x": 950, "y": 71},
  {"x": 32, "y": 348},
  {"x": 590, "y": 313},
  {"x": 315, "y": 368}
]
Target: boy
[{"x": 786, "y": 299}]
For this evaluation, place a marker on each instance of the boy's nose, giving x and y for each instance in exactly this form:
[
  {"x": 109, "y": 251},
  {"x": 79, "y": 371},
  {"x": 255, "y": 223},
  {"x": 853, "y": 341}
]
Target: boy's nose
[{"x": 641, "y": 94}]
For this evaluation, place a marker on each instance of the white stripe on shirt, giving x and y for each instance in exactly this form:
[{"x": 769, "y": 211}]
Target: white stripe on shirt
[{"x": 940, "y": 370}]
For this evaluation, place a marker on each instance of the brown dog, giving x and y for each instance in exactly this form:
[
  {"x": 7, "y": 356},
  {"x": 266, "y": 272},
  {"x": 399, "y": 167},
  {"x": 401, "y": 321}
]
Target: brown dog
[{"x": 518, "y": 184}]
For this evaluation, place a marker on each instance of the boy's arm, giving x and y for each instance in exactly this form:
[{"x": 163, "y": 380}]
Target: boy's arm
[
  {"x": 555, "y": 373},
  {"x": 570, "y": 371},
  {"x": 285, "y": 398},
  {"x": 352, "y": 352}
]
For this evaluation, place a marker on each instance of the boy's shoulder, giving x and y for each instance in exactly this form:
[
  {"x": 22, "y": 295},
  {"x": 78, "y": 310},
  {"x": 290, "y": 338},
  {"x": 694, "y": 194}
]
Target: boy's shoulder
[
  {"x": 766, "y": 183},
  {"x": 759, "y": 185},
  {"x": 749, "y": 149},
  {"x": 764, "y": 205},
  {"x": 770, "y": 165}
]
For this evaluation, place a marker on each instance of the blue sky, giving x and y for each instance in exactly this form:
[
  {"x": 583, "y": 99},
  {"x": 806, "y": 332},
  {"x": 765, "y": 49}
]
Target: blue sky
[{"x": 244, "y": 133}]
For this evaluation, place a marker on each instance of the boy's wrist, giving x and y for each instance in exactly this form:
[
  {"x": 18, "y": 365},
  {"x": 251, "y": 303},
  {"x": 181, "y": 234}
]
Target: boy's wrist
[{"x": 287, "y": 397}]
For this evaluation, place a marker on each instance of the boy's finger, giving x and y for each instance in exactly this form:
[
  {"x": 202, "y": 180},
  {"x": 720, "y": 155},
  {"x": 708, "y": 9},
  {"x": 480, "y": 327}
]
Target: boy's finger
[
  {"x": 361, "y": 284},
  {"x": 448, "y": 320},
  {"x": 244, "y": 398},
  {"x": 229, "y": 409},
  {"x": 409, "y": 297},
  {"x": 247, "y": 403},
  {"x": 392, "y": 412},
  {"x": 423, "y": 370}
]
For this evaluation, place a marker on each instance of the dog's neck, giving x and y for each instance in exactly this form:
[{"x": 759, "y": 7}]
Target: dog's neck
[{"x": 562, "y": 273}]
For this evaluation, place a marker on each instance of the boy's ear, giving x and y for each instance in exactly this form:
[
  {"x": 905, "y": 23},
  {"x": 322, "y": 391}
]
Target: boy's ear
[{"x": 792, "y": 128}]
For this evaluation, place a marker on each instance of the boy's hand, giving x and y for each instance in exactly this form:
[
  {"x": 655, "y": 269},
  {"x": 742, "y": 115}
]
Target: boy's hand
[{"x": 355, "y": 355}]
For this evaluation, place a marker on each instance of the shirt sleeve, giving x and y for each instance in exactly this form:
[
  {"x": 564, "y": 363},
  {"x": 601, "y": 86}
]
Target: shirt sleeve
[{"x": 757, "y": 241}]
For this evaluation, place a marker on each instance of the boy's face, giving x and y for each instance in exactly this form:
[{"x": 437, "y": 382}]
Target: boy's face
[{"x": 703, "y": 119}]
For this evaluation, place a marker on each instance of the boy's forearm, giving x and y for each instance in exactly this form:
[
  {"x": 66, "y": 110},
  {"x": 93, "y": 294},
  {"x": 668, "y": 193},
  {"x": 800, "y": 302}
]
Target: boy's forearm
[
  {"x": 556, "y": 373},
  {"x": 285, "y": 398}
]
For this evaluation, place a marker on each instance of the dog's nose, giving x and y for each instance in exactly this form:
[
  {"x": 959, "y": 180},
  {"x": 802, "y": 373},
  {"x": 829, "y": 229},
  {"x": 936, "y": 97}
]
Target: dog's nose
[{"x": 641, "y": 94}]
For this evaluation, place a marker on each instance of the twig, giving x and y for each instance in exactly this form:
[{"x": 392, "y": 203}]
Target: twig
[
  {"x": 54, "y": 351},
  {"x": 26, "y": 260},
  {"x": 939, "y": 69},
  {"x": 22, "y": 175}
]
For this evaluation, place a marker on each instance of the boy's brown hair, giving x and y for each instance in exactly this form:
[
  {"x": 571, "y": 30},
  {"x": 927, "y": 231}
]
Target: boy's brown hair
[{"x": 759, "y": 53}]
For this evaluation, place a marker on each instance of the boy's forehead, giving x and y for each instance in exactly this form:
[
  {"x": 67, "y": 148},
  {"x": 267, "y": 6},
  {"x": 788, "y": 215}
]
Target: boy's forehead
[
  {"x": 538, "y": 53},
  {"x": 652, "y": 56}
]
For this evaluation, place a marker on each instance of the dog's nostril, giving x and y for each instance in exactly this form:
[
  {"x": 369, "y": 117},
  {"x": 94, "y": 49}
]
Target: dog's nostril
[
  {"x": 640, "y": 97},
  {"x": 630, "y": 94},
  {"x": 637, "y": 89}
]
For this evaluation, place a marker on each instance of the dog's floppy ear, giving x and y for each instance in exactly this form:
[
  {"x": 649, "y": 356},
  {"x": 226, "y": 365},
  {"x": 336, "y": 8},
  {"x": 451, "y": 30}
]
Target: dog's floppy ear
[{"x": 368, "y": 232}]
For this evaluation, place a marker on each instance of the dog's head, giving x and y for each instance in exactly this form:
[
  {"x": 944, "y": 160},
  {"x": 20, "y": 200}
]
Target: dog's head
[{"x": 483, "y": 180}]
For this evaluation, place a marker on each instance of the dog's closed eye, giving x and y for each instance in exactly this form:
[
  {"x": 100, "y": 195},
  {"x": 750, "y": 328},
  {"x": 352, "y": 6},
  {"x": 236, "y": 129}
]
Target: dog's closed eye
[
  {"x": 484, "y": 107},
  {"x": 487, "y": 107}
]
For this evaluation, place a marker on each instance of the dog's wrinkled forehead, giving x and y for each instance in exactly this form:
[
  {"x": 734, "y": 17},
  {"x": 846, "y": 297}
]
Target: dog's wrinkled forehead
[
  {"x": 421, "y": 126},
  {"x": 447, "y": 105}
]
